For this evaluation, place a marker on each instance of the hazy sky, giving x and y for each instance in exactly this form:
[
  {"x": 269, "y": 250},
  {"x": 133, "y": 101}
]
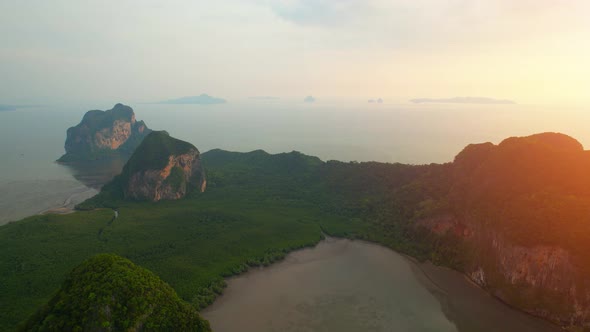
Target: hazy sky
[{"x": 532, "y": 51}]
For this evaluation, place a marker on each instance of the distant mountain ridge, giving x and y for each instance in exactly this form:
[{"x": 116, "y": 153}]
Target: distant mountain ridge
[
  {"x": 463, "y": 100},
  {"x": 202, "y": 99}
]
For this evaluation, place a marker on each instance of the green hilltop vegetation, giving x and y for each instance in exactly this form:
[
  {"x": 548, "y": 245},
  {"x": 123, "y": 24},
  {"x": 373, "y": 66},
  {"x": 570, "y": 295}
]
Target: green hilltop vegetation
[
  {"x": 192, "y": 244},
  {"x": 154, "y": 151},
  {"x": 108, "y": 292},
  {"x": 259, "y": 206}
]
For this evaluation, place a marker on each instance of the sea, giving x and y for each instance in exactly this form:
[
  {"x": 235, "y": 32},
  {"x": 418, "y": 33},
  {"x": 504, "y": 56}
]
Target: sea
[{"x": 32, "y": 138}]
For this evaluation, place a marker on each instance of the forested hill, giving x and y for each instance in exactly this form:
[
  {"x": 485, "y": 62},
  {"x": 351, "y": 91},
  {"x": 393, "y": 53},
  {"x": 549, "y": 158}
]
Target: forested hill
[
  {"x": 110, "y": 293},
  {"x": 514, "y": 217}
]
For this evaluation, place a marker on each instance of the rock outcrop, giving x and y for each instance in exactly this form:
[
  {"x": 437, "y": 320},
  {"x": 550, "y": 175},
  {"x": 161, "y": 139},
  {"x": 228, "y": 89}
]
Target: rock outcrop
[
  {"x": 102, "y": 134},
  {"x": 522, "y": 211},
  {"x": 162, "y": 168}
]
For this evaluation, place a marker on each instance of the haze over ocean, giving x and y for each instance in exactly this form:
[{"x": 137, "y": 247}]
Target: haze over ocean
[{"x": 32, "y": 138}]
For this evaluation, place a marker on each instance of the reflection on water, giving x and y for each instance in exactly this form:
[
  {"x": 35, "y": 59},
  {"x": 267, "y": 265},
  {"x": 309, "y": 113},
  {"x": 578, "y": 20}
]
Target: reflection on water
[
  {"x": 347, "y": 286},
  {"x": 23, "y": 198},
  {"x": 31, "y": 182},
  {"x": 473, "y": 309},
  {"x": 26, "y": 197},
  {"x": 94, "y": 174}
]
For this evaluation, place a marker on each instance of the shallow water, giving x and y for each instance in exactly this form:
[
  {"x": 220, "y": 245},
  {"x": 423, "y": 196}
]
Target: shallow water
[
  {"x": 19, "y": 199},
  {"x": 343, "y": 285},
  {"x": 31, "y": 182},
  {"x": 473, "y": 309}
]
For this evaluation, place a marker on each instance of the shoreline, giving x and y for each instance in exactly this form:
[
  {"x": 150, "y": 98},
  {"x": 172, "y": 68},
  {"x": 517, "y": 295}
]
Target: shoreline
[
  {"x": 433, "y": 278},
  {"x": 69, "y": 204},
  {"x": 463, "y": 302},
  {"x": 340, "y": 284},
  {"x": 427, "y": 273},
  {"x": 26, "y": 198},
  {"x": 430, "y": 275}
]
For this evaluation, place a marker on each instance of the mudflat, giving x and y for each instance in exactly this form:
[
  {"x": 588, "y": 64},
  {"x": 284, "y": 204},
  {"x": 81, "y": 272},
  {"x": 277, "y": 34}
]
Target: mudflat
[{"x": 343, "y": 285}]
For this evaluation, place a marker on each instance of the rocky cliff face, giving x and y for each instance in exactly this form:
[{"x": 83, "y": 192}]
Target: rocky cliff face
[
  {"x": 171, "y": 182},
  {"x": 543, "y": 280},
  {"x": 522, "y": 210},
  {"x": 162, "y": 168},
  {"x": 101, "y": 134}
]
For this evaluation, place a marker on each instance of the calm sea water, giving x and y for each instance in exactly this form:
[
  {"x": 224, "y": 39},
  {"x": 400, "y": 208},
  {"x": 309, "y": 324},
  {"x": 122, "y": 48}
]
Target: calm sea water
[{"x": 32, "y": 138}]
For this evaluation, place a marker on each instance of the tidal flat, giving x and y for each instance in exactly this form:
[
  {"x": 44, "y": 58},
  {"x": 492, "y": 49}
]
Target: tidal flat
[{"x": 344, "y": 285}]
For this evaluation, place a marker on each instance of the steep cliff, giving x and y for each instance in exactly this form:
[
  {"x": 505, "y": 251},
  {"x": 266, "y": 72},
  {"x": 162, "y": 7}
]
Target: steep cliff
[
  {"x": 523, "y": 211},
  {"x": 110, "y": 293},
  {"x": 161, "y": 168},
  {"x": 101, "y": 134},
  {"x": 514, "y": 217}
]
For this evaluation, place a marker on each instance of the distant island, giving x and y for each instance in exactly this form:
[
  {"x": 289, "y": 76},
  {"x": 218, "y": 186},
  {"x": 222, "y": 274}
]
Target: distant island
[
  {"x": 203, "y": 99},
  {"x": 309, "y": 99},
  {"x": 378, "y": 101},
  {"x": 108, "y": 292},
  {"x": 7, "y": 108},
  {"x": 463, "y": 100},
  {"x": 264, "y": 98}
]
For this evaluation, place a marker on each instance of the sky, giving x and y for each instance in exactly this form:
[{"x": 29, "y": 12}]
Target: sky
[{"x": 530, "y": 51}]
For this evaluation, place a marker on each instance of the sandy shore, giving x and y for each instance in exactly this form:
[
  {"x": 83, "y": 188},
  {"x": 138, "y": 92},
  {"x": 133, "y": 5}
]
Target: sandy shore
[
  {"x": 70, "y": 203},
  {"x": 21, "y": 199}
]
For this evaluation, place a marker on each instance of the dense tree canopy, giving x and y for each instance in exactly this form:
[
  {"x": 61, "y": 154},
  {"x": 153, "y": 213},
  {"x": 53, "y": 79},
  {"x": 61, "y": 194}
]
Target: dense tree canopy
[{"x": 110, "y": 293}]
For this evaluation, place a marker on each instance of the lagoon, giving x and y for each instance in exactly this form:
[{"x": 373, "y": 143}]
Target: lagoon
[{"x": 343, "y": 285}]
